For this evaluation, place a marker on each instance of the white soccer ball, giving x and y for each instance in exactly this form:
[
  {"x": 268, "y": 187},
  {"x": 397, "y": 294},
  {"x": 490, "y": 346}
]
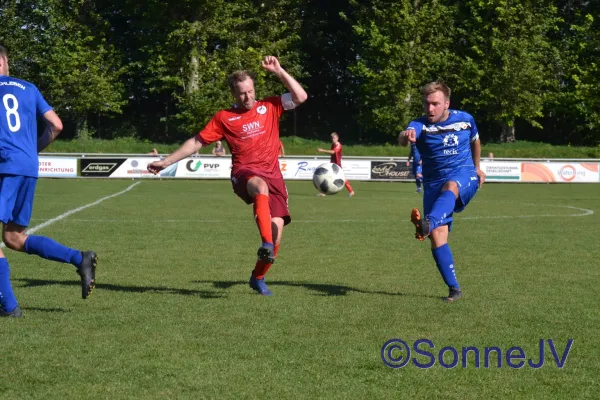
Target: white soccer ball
[{"x": 329, "y": 178}]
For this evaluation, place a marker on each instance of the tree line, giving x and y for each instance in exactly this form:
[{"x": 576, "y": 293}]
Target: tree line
[{"x": 155, "y": 69}]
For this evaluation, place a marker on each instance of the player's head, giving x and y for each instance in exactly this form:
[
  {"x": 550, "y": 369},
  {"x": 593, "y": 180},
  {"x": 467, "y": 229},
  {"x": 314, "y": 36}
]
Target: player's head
[
  {"x": 3, "y": 61},
  {"x": 241, "y": 84},
  {"x": 436, "y": 101},
  {"x": 335, "y": 137}
]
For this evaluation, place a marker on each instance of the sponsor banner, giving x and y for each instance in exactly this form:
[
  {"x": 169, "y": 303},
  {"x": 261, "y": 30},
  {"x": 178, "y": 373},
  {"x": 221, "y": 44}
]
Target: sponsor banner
[
  {"x": 297, "y": 168},
  {"x": 391, "y": 170},
  {"x": 100, "y": 167},
  {"x": 135, "y": 168},
  {"x": 501, "y": 170},
  {"x": 359, "y": 170},
  {"x": 57, "y": 167},
  {"x": 199, "y": 167},
  {"x": 303, "y": 169},
  {"x": 559, "y": 172}
]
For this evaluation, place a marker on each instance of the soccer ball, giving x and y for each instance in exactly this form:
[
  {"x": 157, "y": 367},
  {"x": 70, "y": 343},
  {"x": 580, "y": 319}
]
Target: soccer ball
[{"x": 329, "y": 178}]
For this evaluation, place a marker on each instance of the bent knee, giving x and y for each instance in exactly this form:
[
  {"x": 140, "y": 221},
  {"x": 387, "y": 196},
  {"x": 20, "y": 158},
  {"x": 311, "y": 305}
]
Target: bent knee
[{"x": 257, "y": 185}]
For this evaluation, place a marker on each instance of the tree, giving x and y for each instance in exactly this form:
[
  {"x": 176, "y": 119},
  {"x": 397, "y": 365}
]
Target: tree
[
  {"x": 400, "y": 51},
  {"x": 506, "y": 60}
]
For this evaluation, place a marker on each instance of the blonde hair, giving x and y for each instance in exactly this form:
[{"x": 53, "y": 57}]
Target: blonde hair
[
  {"x": 335, "y": 134},
  {"x": 433, "y": 87}
]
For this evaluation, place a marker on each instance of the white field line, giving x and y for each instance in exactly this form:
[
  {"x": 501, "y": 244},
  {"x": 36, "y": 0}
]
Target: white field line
[
  {"x": 75, "y": 210},
  {"x": 582, "y": 212}
]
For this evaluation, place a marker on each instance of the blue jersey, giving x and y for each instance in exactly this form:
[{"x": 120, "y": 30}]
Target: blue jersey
[
  {"x": 414, "y": 153},
  {"x": 21, "y": 103},
  {"x": 445, "y": 147}
]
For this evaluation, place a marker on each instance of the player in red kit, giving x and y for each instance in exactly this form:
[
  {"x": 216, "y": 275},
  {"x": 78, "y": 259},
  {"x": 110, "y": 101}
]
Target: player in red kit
[
  {"x": 336, "y": 158},
  {"x": 251, "y": 129}
]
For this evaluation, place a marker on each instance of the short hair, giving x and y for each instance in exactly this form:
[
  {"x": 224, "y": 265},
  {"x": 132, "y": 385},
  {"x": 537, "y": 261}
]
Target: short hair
[
  {"x": 335, "y": 134},
  {"x": 3, "y": 51},
  {"x": 433, "y": 87},
  {"x": 239, "y": 76}
]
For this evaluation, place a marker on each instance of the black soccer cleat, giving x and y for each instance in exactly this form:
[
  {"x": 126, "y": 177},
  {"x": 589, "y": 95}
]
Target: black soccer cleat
[
  {"x": 454, "y": 294},
  {"x": 87, "y": 271},
  {"x": 421, "y": 225},
  {"x": 266, "y": 253},
  {"x": 16, "y": 313}
]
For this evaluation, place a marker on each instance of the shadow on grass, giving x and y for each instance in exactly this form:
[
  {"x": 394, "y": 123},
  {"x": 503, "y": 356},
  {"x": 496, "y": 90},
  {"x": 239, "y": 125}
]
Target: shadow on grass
[
  {"x": 321, "y": 289},
  {"x": 205, "y": 294},
  {"x": 46, "y": 309}
]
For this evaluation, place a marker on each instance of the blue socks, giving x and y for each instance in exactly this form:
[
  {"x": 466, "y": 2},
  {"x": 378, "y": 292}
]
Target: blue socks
[
  {"x": 442, "y": 208},
  {"x": 51, "y": 250},
  {"x": 445, "y": 263},
  {"x": 7, "y": 297}
]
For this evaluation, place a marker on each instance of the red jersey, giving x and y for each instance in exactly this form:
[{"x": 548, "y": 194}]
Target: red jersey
[
  {"x": 336, "y": 157},
  {"x": 252, "y": 136}
]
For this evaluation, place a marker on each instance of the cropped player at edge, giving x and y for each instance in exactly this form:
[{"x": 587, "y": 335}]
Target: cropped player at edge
[
  {"x": 20, "y": 106},
  {"x": 251, "y": 129},
  {"x": 450, "y": 149}
]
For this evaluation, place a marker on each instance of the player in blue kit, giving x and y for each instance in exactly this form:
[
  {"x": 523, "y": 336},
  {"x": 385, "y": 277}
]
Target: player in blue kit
[
  {"x": 21, "y": 103},
  {"x": 417, "y": 167},
  {"x": 450, "y": 150}
]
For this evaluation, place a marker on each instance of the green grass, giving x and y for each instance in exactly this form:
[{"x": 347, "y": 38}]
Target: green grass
[
  {"x": 298, "y": 146},
  {"x": 173, "y": 316}
]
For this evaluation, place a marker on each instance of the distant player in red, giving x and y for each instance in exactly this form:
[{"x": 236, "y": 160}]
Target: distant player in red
[
  {"x": 251, "y": 129},
  {"x": 336, "y": 157}
]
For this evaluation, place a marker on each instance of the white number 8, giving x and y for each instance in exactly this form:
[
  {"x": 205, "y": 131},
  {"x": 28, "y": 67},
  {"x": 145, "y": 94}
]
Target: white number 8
[{"x": 12, "y": 111}]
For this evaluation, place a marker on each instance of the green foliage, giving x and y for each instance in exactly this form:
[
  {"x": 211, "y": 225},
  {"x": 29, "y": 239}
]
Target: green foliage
[{"x": 157, "y": 69}]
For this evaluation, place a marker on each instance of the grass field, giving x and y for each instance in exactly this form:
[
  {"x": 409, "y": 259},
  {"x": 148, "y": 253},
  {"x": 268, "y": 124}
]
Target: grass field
[{"x": 173, "y": 317}]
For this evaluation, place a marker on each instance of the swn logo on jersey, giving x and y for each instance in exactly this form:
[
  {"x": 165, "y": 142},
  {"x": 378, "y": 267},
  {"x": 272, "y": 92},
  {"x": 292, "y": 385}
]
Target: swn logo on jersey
[{"x": 252, "y": 126}]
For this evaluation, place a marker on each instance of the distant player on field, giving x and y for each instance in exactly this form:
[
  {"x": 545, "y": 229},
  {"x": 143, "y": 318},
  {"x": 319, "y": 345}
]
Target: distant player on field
[
  {"x": 251, "y": 129},
  {"x": 417, "y": 165},
  {"x": 21, "y": 103},
  {"x": 336, "y": 158},
  {"x": 448, "y": 142}
]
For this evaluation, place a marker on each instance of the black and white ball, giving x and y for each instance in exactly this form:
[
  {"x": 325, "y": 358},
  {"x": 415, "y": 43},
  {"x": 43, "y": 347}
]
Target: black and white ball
[{"x": 329, "y": 178}]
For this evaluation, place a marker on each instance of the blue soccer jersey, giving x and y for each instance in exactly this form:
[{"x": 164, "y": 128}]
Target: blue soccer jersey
[
  {"x": 414, "y": 152},
  {"x": 445, "y": 147},
  {"x": 21, "y": 104}
]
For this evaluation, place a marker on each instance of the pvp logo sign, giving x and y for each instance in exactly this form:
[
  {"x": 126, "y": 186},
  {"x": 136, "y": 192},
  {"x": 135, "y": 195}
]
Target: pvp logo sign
[
  {"x": 391, "y": 170},
  {"x": 203, "y": 168}
]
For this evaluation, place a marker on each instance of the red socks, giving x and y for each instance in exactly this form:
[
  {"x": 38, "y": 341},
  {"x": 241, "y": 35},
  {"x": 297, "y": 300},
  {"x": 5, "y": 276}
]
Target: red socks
[{"x": 262, "y": 216}]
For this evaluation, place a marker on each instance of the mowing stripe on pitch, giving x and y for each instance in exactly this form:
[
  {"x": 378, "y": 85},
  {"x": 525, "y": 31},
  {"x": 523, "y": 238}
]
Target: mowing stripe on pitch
[{"x": 73, "y": 211}]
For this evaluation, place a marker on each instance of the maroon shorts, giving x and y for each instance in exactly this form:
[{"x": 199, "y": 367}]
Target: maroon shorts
[{"x": 278, "y": 195}]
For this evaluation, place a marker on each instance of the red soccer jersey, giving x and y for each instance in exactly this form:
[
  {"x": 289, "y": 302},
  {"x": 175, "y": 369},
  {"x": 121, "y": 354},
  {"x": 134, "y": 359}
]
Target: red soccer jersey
[
  {"x": 252, "y": 136},
  {"x": 336, "y": 157}
]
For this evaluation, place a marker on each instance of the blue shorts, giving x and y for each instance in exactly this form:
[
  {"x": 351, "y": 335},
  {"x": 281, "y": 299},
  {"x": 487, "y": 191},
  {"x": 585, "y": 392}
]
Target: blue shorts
[
  {"x": 16, "y": 198},
  {"x": 468, "y": 183}
]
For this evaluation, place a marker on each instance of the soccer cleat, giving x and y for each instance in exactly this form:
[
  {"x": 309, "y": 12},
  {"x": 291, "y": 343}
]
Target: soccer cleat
[
  {"x": 454, "y": 294},
  {"x": 418, "y": 189},
  {"x": 321, "y": 194},
  {"x": 87, "y": 271},
  {"x": 266, "y": 253},
  {"x": 260, "y": 286},
  {"x": 351, "y": 194},
  {"x": 421, "y": 225},
  {"x": 16, "y": 313}
]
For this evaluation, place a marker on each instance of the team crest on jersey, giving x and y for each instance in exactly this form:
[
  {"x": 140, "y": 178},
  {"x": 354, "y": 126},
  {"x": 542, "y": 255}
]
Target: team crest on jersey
[
  {"x": 450, "y": 140},
  {"x": 261, "y": 110}
]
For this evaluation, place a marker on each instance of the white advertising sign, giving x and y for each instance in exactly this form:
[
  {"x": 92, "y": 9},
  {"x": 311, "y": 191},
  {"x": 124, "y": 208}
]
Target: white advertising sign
[{"x": 57, "y": 167}]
